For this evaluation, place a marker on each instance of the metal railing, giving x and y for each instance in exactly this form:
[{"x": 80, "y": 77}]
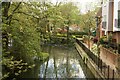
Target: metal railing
[
  {"x": 89, "y": 53},
  {"x": 104, "y": 69}
]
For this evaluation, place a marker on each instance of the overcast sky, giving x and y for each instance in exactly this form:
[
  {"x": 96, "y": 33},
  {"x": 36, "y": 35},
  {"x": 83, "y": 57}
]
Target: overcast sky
[{"x": 84, "y": 5}]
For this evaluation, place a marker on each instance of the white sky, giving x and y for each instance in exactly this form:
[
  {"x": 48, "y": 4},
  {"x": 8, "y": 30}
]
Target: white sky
[{"x": 82, "y": 4}]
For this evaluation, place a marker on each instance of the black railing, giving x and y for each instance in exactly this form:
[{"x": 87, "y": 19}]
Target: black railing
[
  {"x": 89, "y": 53},
  {"x": 105, "y": 69}
]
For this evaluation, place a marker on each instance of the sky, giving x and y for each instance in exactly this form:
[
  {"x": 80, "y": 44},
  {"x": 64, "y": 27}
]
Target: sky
[{"x": 82, "y": 4}]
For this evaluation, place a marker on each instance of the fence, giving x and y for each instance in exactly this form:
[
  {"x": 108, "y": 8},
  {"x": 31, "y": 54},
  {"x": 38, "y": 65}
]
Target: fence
[{"x": 105, "y": 69}]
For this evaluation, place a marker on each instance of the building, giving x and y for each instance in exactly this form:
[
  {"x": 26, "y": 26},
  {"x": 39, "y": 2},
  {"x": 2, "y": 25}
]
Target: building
[
  {"x": 116, "y": 21},
  {"x": 110, "y": 19},
  {"x": 109, "y": 25},
  {"x": 99, "y": 30}
]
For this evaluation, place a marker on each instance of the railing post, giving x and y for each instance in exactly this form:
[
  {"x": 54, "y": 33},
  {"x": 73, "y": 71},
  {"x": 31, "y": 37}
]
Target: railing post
[
  {"x": 108, "y": 71},
  {"x": 113, "y": 74},
  {"x": 104, "y": 68},
  {"x": 98, "y": 63},
  {"x": 101, "y": 65}
]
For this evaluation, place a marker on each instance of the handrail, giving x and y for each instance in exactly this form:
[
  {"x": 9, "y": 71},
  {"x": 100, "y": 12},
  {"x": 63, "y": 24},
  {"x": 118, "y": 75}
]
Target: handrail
[
  {"x": 101, "y": 65},
  {"x": 89, "y": 53}
]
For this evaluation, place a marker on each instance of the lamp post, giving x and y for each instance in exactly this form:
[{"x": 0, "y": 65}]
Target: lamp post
[{"x": 98, "y": 21}]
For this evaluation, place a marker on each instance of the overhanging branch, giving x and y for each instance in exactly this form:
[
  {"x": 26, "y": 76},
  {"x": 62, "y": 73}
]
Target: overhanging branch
[{"x": 27, "y": 14}]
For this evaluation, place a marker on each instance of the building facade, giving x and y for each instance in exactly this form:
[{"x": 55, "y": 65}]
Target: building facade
[
  {"x": 116, "y": 21},
  {"x": 110, "y": 23}
]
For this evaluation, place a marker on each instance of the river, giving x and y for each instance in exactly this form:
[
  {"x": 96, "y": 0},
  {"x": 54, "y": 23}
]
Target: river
[{"x": 63, "y": 62}]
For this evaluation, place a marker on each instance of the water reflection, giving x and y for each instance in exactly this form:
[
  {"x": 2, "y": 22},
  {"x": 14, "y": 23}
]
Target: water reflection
[{"x": 62, "y": 63}]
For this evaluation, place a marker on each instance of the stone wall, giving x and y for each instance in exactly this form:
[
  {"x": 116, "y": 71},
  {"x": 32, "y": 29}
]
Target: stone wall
[
  {"x": 109, "y": 57},
  {"x": 116, "y": 35}
]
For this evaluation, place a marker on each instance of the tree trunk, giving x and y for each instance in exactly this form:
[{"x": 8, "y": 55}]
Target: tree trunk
[{"x": 6, "y": 6}]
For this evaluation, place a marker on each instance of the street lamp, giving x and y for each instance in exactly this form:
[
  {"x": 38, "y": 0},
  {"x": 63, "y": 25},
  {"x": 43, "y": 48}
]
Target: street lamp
[{"x": 98, "y": 21}]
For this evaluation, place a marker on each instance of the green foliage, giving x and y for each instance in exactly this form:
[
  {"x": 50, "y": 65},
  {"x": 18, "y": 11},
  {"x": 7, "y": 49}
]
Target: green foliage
[
  {"x": 78, "y": 33},
  {"x": 103, "y": 39},
  {"x": 70, "y": 13},
  {"x": 43, "y": 55},
  {"x": 73, "y": 36},
  {"x": 85, "y": 37},
  {"x": 87, "y": 21},
  {"x": 20, "y": 24},
  {"x": 110, "y": 38},
  {"x": 22, "y": 30},
  {"x": 94, "y": 49},
  {"x": 14, "y": 67},
  {"x": 61, "y": 35}
]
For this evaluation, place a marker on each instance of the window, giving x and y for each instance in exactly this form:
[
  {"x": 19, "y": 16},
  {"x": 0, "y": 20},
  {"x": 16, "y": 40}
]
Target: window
[
  {"x": 105, "y": 18},
  {"x": 104, "y": 22},
  {"x": 118, "y": 18},
  {"x": 104, "y": 25},
  {"x": 119, "y": 14}
]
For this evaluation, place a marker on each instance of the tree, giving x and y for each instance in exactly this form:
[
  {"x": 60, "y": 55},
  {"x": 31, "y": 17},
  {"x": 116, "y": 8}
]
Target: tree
[
  {"x": 88, "y": 24},
  {"x": 21, "y": 39}
]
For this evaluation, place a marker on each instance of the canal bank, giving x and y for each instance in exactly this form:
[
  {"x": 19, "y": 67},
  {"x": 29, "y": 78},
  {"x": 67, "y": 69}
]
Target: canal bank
[{"x": 89, "y": 59}]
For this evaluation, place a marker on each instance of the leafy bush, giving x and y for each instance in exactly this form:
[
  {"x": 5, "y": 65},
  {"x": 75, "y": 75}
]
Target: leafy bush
[
  {"x": 103, "y": 40},
  {"x": 85, "y": 37},
  {"x": 94, "y": 49},
  {"x": 78, "y": 33},
  {"x": 110, "y": 37},
  {"x": 42, "y": 56},
  {"x": 14, "y": 67}
]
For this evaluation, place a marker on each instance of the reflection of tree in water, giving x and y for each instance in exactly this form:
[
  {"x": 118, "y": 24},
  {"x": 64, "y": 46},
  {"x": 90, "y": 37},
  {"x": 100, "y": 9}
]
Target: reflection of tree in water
[
  {"x": 63, "y": 63},
  {"x": 61, "y": 70},
  {"x": 55, "y": 67}
]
